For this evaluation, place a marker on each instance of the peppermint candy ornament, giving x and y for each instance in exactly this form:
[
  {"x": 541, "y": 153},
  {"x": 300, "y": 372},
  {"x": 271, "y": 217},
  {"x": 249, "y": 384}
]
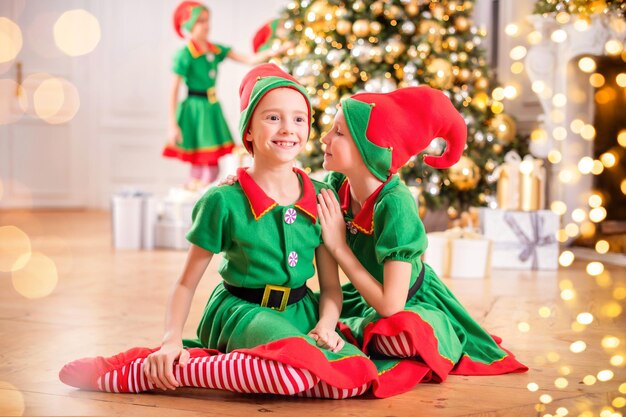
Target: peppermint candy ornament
[
  {"x": 293, "y": 259},
  {"x": 290, "y": 216}
]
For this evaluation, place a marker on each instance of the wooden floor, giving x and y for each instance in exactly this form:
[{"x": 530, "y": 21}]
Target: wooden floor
[{"x": 106, "y": 301}]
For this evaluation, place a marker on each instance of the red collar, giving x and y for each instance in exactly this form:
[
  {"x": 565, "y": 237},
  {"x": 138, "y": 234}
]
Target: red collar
[
  {"x": 364, "y": 220},
  {"x": 261, "y": 203},
  {"x": 195, "y": 49}
]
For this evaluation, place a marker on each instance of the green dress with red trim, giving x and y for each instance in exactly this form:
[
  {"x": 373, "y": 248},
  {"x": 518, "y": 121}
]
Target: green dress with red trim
[
  {"x": 265, "y": 243},
  {"x": 205, "y": 133},
  {"x": 448, "y": 340}
]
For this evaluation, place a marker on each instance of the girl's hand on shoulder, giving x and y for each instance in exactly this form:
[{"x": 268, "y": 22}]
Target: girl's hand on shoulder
[
  {"x": 327, "y": 338},
  {"x": 158, "y": 366},
  {"x": 331, "y": 219},
  {"x": 229, "y": 180}
]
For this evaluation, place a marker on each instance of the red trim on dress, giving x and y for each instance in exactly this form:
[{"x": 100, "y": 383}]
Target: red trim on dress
[
  {"x": 344, "y": 373},
  {"x": 200, "y": 157}
]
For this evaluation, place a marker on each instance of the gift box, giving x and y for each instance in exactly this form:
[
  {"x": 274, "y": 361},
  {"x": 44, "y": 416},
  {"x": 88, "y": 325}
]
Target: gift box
[
  {"x": 133, "y": 216},
  {"x": 171, "y": 235},
  {"x": 521, "y": 183},
  {"x": 177, "y": 206},
  {"x": 459, "y": 253},
  {"x": 522, "y": 239}
]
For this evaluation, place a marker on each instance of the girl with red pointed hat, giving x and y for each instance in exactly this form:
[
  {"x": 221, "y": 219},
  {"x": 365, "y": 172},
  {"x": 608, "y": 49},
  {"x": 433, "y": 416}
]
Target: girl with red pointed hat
[
  {"x": 395, "y": 306},
  {"x": 198, "y": 131},
  {"x": 263, "y": 330}
]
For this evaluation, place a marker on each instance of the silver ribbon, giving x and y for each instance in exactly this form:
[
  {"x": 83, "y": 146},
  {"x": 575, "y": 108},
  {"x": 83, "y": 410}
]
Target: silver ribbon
[{"x": 529, "y": 244}]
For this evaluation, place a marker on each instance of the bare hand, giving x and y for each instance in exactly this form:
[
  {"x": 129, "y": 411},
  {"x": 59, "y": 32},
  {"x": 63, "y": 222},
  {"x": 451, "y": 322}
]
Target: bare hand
[
  {"x": 174, "y": 136},
  {"x": 229, "y": 180},
  {"x": 331, "y": 219},
  {"x": 327, "y": 338},
  {"x": 159, "y": 365}
]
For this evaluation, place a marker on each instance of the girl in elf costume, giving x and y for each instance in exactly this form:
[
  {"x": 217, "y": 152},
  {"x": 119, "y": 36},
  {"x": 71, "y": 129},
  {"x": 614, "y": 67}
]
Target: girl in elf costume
[
  {"x": 198, "y": 131},
  {"x": 276, "y": 336},
  {"x": 395, "y": 306}
]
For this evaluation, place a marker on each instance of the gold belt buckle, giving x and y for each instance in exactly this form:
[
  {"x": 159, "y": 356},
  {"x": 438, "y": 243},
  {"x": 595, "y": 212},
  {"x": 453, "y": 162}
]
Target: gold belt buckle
[
  {"x": 211, "y": 96},
  {"x": 266, "y": 296}
]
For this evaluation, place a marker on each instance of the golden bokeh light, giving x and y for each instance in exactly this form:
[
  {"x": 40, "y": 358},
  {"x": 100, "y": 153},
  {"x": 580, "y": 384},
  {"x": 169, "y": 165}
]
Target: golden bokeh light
[
  {"x": 578, "y": 346},
  {"x": 597, "y": 214},
  {"x": 587, "y": 64},
  {"x": 517, "y": 53},
  {"x": 579, "y": 215},
  {"x": 534, "y": 37},
  {"x": 568, "y": 294},
  {"x": 545, "y": 398},
  {"x": 588, "y": 132},
  {"x": 581, "y": 25},
  {"x": 617, "y": 360},
  {"x": 76, "y": 32},
  {"x": 585, "y": 165},
  {"x": 56, "y": 101},
  {"x": 11, "y": 400},
  {"x": 602, "y": 246},
  {"x": 605, "y": 375},
  {"x": 559, "y": 133},
  {"x": 589, "y": 380},
  {"x": 558, "y": 207},
  {"x": 562, "y": 411},
  {"x": 618, "y": 402},
  {"x": 10, "y": 39},
  {"x": 15, "y": 248},
  {"x": 577, "y": 125},
  {"x": 621, "y": 138},
  {"x": 545, "y": 312},
  {"x": 613, "y": 47},
  {"x": 610, "y": 342},
  {"x": 598, "y": 167},
  {"x": 619, "y": 293},
  {"x": 595, "y": 268},
  {"x": 517, "y": 67},
  {"x": 498, "y": 93},
  {"x": 612, "y": 309},
  {"x": 559, "y": 100},
  {"x": 596, "y": 80},
  {"x": 532, "y": 387},
  {"x": 554, "y": 156},
  {"x": 523, "y": 327},
  {"x": 584, "y": 318},
  {"x": 560, "y": 382},
  {"x": 561, "y": 236},
  {"x": 587, "y": 229},
  {"x": 620, "y": 79},
  {"x": 37, "y": 279},
  {"x": 608, "y": 159},
  {"x": 622, "y": 186},
  {"x": 559, "y": 36},
  {"x": 511, "y": 29},
  {"x": 553, "y": 357},
  {"x": 572, "y": 229},
  {"x": 595, "y": 200}
]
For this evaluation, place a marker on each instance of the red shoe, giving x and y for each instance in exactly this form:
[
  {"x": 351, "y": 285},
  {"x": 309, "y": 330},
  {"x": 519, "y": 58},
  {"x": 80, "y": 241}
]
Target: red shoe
[{"x": 85, "y": 373}]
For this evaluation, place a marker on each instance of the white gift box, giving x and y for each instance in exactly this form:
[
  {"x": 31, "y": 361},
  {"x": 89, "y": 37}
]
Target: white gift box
[
  {"x": 178, "y": 205},
  {"x": 133, "y": 215},
  {"x": 457, "y": 253},
  {"x": 171, "y": 235},
  {"x": 522, "y": 239}
]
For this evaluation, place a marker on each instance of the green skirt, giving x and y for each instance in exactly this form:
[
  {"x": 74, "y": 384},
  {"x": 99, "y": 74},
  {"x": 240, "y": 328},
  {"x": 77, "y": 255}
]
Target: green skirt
[
  {"x": 232, "y": 324},
  {"x": 448, "y": 339},
  {"x": 205, "y": 134}
]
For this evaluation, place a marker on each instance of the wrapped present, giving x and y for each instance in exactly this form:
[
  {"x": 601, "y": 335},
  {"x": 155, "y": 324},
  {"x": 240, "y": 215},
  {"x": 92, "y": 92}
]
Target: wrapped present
[
  {"x": 459, "y": 253},
  {"x": 178, "y": 205},
  {"x": 171, "y": 235},
  {"x": 133, "y": 216},
  {"x": 521, "y": 183},
  {"x": 522, "y": 239}
]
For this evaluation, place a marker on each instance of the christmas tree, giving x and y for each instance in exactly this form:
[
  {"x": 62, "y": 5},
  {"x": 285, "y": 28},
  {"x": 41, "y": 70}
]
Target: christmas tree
[{"x": 343, "y": 47}]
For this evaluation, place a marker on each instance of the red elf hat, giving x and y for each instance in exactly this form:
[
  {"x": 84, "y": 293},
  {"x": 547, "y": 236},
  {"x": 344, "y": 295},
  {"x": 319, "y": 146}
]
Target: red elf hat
[
  {"x": 390, "y": 128},
  {"x": 259, "y": 81},
  {"x": 265, "y": 35},
  {"x": 186, "y": 14}
]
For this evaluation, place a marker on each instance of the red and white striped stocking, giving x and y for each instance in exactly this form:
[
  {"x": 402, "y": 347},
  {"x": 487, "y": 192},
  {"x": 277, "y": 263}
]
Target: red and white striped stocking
[
  {"x": 323, "y": 390},
  {"x": 233, "y": 371},
  {"x": 394, "y": 346}
]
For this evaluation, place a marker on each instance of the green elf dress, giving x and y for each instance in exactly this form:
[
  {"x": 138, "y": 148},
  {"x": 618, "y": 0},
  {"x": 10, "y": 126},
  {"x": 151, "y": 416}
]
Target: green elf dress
[
  {"x": 205, "y": 134},
  {"x": 434, "y": 331}
]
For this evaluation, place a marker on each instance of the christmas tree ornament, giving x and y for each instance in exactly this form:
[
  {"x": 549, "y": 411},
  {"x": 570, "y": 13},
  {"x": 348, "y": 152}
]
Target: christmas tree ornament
[
  {"x": 320, "y": 16},
  {"x": 504, "y": 128},
  {"x": 377, "y": 7},
  {"x": 441, "y": 71},
  {"x": 335, "y": 56},
  {"x": 464, "y": 175},
  {"x": 361, "y": 28},
  {"x": 343, "y": 27},
  {"x": 407, "y": 27},
  {"x": 358, "y": 6},
  {"x": 375, "y": 28},
  {"x": 461, "y": 23}
]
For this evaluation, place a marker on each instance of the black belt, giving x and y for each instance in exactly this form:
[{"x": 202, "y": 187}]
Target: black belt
[
  {"x": 272, "y": 296},
  {"x": 417, "y": 284},
  {"x": 198, "y": 93}
]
